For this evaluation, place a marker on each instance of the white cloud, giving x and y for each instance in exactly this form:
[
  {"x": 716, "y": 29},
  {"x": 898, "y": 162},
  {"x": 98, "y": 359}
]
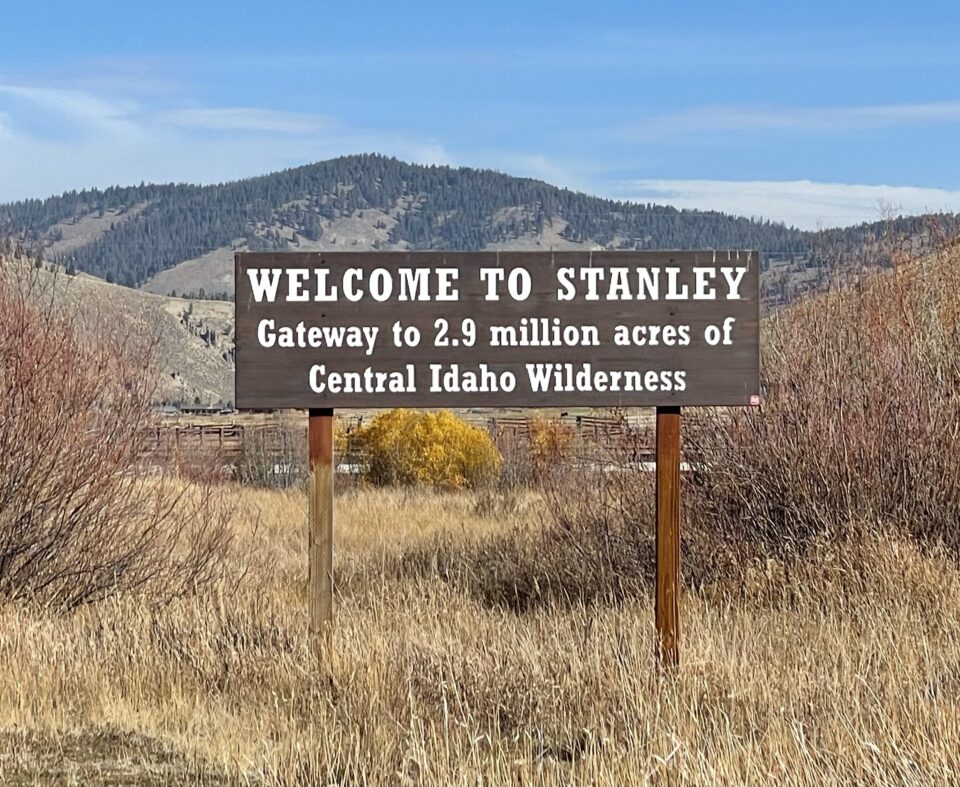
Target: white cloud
[
  {"x": 119, "y": 143},
  {"x": 86, "y": 109},
  {"x": 124, "y": 143},
  {"x": 114, "y": 140},
  {"x": 773, "y": 118},
  {"x": 535, "y": 165},
  {"x": 803, "y": 203},
  {"x": 246, "y": 119}
]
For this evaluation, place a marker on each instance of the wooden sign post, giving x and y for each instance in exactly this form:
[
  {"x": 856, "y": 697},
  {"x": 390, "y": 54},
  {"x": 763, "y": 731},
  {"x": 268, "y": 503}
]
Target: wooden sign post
[
  {"x": 320, "y": 531},
  {"x": 664, "y": 329},
  {"x": 667, "y": 605}
]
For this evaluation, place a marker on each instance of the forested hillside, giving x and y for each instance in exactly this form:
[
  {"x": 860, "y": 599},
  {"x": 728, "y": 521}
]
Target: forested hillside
[
  {"x": 130, "y": 235},
  {"x": 432, "y": 207}
]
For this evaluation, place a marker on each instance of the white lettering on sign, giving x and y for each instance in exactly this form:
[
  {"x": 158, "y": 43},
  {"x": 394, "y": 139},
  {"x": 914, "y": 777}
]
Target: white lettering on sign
[
  {"x": 316, "y": 336},
  {"x": 419, "y": 284},
  {"x": 438, "y": 284}
]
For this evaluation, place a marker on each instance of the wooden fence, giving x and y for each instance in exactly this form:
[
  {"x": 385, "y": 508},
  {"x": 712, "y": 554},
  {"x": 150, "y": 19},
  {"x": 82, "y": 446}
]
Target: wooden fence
[
  {"x": 163, "y": 443},
  {"x": 226, "y": 443}
]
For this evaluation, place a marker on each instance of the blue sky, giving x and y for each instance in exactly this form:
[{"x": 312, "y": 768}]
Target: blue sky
[{"x": 810, "y": 113}]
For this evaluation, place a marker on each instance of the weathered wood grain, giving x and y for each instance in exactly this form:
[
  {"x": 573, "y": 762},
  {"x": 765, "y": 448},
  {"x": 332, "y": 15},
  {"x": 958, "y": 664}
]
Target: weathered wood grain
[
  {"x": 721, "y": 375},
  {"x": 667, "y": 605}
]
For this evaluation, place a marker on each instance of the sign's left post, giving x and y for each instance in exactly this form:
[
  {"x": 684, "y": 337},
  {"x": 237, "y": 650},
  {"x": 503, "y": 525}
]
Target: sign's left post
[{"x": 320, "y": 529}]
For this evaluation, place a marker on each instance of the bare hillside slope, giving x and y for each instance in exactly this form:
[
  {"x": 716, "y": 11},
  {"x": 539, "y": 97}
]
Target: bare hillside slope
[{"x": 194, "y": 337}]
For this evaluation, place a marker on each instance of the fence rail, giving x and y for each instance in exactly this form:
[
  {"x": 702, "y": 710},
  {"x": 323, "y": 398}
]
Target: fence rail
[
  {"x": 227, "y": 442},
  {"x": 167, "y": 442}
]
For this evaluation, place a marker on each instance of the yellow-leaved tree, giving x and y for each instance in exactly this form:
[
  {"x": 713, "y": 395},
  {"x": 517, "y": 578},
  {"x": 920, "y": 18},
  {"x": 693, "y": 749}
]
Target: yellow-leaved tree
[{"x": 410, "y": 447}]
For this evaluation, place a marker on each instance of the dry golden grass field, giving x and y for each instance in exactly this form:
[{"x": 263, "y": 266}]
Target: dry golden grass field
[
  {"x": 153, "y": 630},
  {"x": 843, "y": 669}
]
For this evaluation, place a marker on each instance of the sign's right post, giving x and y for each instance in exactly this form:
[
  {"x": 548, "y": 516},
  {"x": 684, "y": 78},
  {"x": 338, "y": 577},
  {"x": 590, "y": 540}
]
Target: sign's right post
[
  {"x": 320, "y": 531},
  {"x": 667, "y": 605}
]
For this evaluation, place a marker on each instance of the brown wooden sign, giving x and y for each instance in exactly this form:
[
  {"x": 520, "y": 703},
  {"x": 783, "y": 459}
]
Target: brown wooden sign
[
  {"x": 491, "y": 329},
  {"x": 483, "y": 329}
]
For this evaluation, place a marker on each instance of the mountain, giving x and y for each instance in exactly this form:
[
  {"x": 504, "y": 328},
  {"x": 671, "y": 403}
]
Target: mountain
[
  {"x": 173, "y": 245},
  {"x": 179, "y": 239},
  {"x": 182, "y": 237}
]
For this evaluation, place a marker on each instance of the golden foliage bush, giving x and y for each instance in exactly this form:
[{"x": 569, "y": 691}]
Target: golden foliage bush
[
  {"x": 551, "y": 442},
  {"x": 410, "y": 447}
]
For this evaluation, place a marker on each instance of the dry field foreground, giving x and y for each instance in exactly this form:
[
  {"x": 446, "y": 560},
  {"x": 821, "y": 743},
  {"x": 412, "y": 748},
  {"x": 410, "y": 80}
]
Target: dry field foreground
[{"x": 845, "y": 670}]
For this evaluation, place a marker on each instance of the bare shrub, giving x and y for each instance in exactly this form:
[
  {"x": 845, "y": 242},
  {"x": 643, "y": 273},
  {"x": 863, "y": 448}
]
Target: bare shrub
[
  {"x": 551, "y": 444},
  {"x": 273, "y": 455},
  {"x": 529, "y": 457},
  {"x": 518, "y": 468},
  {"x": 78, "y": 520},
  {"x": 595, "y": 543},
  {"x": 600, "y": 541},
  {"x": 857, "y": 435},
  {"x": 501, "y": 496},
  {"x": 861, "y": 405}
]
